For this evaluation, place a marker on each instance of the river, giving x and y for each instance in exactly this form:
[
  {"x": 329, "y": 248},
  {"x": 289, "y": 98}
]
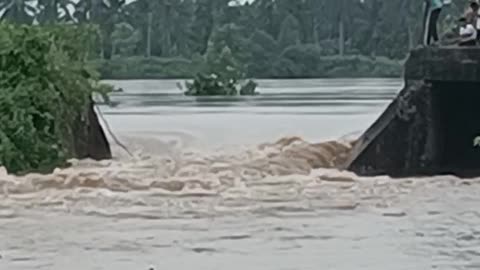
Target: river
[{"x": 229, "y": 183}]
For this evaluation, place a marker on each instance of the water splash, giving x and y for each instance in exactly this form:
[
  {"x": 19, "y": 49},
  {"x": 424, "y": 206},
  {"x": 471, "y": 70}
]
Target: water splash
[{"x": 290, "y": 176}]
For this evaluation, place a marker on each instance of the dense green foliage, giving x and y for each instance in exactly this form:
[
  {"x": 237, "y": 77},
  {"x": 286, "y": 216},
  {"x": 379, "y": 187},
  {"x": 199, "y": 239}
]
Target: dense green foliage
[
  {"x": 45, "y": 86},
  {"x": 271, "y": 38},
  {"x": 221, "y": 74}
]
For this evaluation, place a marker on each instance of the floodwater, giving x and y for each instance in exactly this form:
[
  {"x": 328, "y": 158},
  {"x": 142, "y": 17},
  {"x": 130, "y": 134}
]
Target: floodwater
[{"x": 238, "y": 183}]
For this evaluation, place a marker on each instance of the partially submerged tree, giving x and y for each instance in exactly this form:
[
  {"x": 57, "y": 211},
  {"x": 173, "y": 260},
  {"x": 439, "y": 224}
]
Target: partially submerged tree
[{"x": 221, "y": 75}]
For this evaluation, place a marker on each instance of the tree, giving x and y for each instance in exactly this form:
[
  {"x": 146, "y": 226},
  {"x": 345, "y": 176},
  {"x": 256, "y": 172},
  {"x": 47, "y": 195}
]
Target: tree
[
  {"x": 18, "y": 11},
  {"x": 124, "y": 39},
  {"x": 183, "y": 29},
  {"x": 289, "y": 32},
  {"x": 368, "y": 20},
  {"x": 106, "y": 14},
  {"x": 45, "y": 86},
  {"x": 52, "y": 11}
]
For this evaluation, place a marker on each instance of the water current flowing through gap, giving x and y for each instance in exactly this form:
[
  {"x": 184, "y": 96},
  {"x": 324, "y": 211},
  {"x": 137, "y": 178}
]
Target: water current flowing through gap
[{"x": 238, "y": 183}]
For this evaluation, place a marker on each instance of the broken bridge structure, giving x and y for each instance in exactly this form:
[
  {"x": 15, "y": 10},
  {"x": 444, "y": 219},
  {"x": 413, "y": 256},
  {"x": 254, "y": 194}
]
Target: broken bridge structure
[{"x": 430, "y": 127}]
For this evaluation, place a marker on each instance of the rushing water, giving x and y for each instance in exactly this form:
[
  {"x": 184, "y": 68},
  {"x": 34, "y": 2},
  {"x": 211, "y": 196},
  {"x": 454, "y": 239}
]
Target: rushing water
[{"x": 238, "y": 183}]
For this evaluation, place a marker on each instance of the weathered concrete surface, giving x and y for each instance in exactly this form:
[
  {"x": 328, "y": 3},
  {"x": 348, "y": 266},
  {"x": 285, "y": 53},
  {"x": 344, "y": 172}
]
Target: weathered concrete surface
[
  {"x": 89, "y": 140},
  {"x": 429, "y": 128},
  {"x": 444, "y": 64}
]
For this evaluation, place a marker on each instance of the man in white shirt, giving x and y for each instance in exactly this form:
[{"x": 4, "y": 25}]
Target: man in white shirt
[
  {"x": 472, "y": 15},
  {"x": 468, "y": 33}
]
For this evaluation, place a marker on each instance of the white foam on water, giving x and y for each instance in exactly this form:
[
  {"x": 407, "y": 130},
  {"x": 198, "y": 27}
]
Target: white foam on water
[{"x": 166, "y": 179}]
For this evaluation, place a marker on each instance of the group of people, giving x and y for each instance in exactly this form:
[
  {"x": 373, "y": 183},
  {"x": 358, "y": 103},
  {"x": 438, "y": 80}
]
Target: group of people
[{"x": 469, "y": 23}]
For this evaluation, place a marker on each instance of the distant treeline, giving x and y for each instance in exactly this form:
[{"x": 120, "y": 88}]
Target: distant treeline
[{"x": 270, "y": 38}]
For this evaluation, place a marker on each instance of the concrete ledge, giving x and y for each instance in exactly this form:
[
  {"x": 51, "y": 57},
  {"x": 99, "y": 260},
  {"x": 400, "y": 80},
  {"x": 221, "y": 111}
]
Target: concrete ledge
[{"x": 444, "y": 64}]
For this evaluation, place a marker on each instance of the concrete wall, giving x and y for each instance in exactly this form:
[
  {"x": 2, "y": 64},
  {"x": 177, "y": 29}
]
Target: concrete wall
[{"x": 429, "y": 128}]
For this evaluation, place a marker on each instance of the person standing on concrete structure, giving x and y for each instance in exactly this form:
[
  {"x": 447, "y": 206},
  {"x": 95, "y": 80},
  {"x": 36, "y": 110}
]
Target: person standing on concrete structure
[
  {"x": 473, "y": 16},
  {"x": 433, "y": 8}
]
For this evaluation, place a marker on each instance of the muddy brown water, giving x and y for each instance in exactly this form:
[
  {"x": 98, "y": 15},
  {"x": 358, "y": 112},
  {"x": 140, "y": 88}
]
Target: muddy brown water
[{"x": 238, "y": 183}]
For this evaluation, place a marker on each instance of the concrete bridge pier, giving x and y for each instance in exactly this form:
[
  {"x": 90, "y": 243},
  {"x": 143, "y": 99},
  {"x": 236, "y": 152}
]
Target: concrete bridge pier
[{"x": 429, "y": 129}]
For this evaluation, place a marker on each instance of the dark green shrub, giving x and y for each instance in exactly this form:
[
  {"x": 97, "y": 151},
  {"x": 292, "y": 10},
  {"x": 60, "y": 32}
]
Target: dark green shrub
[{"x": 45, "y": 86}]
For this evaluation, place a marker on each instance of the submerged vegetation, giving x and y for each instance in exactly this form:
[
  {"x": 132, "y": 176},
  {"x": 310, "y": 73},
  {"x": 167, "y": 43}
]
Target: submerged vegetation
[
  {"x": 46, "y": 83},
  {"x": 219, "y": 85},
  {"x": 221, "y": 74}
]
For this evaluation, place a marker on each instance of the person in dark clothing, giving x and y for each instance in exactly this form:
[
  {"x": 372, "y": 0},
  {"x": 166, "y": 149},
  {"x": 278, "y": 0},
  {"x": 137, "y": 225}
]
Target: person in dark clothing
[
  {"x": 473, "y": 17},
  {"x": 433, "y": 8},
  {"x": 472, "y": 13}
]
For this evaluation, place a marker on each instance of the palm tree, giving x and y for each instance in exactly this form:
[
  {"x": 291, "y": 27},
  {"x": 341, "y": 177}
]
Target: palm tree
[
  {"x": 104, "y": 13},
  {"x": 341, "y": 13},
  {"x": 140, "y": 15},
  {"x": 19, "y": 11},
  {"x": 52, "y": 11},
  {"x": 370, "y": 17}
]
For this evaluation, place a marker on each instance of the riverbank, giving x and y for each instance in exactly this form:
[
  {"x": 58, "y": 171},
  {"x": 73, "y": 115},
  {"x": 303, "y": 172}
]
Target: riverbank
[
  {"x": 47, "y": 116},
  {"x": 351, "y": 66}
]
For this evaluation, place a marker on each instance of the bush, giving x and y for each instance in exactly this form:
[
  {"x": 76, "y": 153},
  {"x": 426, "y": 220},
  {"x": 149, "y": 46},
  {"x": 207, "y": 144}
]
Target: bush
[
  {"x": 213, "y": 85},
  {"x": 221, "y": 75},
  {"x": 45, "y": 86}
]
